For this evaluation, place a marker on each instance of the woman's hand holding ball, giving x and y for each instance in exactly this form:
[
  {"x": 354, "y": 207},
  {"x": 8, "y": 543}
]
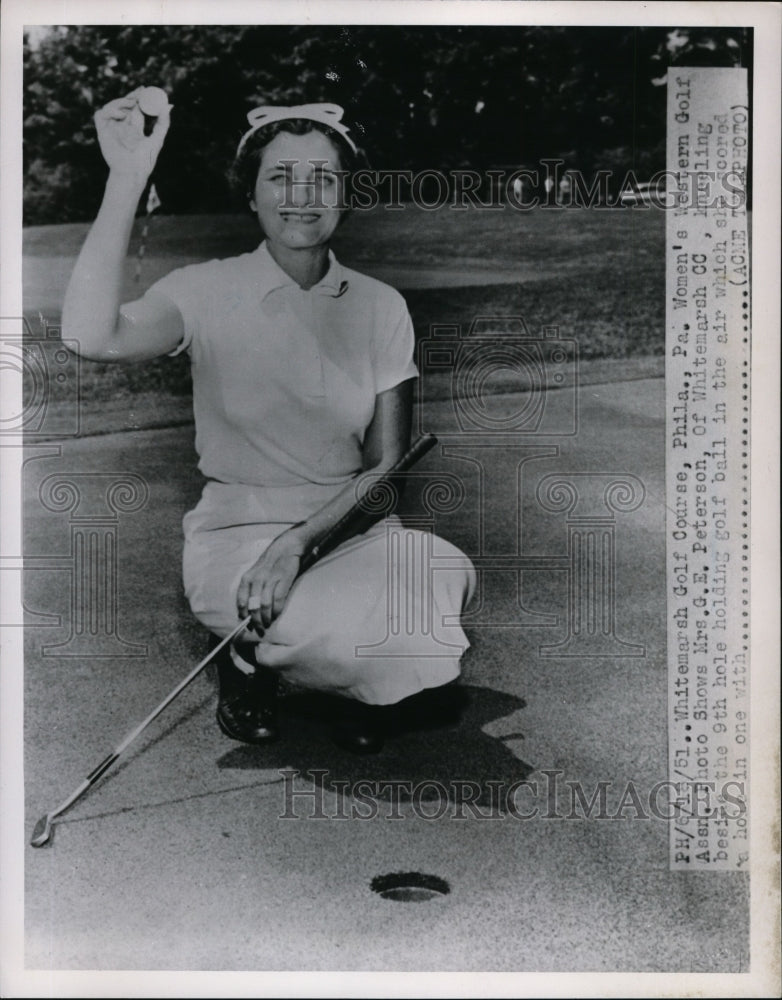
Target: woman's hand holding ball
[
  {"x": 120, "y": 125},
  {"x": 153, "y": 101}
]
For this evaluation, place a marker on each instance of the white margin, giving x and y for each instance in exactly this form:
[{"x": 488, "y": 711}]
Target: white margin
[{"x": 766, "y": 18}]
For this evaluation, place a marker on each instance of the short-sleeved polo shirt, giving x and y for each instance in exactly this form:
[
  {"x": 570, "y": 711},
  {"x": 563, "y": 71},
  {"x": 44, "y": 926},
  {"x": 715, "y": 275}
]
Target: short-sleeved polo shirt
[{"x": 285, "y": 379}]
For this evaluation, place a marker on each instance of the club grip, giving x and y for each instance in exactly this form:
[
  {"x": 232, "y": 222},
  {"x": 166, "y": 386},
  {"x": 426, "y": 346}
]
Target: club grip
[{"x": 359, "y": 517}]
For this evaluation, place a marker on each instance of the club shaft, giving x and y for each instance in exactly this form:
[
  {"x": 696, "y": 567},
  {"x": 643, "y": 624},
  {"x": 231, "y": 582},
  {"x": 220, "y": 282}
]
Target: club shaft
[
  {"x": 357, "y": 516},
  {"x": 106, "y": 763},
  {"x": 180, "y": 687}
]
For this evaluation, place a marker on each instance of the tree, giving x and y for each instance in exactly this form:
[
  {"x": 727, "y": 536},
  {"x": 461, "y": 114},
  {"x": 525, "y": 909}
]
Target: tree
[{"x": 420, "y": 97}]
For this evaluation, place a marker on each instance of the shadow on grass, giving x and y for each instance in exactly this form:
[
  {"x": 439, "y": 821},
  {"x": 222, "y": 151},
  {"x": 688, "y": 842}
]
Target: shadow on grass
[{"x": 437, "y": 739}]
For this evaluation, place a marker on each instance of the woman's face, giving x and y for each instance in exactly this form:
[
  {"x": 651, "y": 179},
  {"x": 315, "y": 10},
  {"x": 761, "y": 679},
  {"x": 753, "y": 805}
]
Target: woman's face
[{"x": 298, "y": 190}]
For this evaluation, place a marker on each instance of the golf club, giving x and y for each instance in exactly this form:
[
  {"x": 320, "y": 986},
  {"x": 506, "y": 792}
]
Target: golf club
[
  {"x": 357, "y": 519},
  {"x": 42, "y": 832},
  {"x": 363, "y": 513}
]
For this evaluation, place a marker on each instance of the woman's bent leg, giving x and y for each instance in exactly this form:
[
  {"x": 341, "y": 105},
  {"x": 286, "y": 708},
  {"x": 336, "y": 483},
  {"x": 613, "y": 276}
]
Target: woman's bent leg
[{"x": 376, "y": 621}]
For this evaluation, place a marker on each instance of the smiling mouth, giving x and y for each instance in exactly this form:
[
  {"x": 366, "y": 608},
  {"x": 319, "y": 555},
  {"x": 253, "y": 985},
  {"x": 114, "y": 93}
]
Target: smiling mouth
[{"x": 303, "y": 217}]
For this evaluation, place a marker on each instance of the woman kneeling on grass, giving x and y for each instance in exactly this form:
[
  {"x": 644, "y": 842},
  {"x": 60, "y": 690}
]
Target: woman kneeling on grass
[{"x": 302, "y": 380}]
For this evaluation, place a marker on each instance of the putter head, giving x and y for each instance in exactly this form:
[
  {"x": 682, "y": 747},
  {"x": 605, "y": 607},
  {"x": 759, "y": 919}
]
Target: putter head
[{"x": 42, "y": 833}]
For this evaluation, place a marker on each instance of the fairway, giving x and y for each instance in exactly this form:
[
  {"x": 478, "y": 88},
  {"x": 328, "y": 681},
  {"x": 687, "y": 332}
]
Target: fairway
[{"x": 597, "y": 275}]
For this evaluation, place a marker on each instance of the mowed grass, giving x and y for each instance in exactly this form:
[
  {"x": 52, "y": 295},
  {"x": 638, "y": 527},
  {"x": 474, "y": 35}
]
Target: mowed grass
[{"x": 598, "y": 275}]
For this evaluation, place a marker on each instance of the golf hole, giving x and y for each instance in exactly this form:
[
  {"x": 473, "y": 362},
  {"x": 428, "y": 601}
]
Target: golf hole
[{"x": 410, "y": 887}]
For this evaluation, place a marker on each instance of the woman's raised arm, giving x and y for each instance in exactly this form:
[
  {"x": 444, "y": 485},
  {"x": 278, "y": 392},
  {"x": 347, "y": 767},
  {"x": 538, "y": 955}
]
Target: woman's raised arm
[{"x": 92, "y": 314}]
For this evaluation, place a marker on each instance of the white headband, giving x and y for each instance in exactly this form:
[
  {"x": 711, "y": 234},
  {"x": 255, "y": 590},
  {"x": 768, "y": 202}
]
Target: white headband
[{"x": 325, "y": 114}]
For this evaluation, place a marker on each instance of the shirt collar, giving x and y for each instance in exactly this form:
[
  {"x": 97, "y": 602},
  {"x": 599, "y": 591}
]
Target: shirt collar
[{"x": 268, "y": 275}]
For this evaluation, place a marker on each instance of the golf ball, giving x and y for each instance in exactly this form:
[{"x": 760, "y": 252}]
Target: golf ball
[{"x": 153, "y": 101}]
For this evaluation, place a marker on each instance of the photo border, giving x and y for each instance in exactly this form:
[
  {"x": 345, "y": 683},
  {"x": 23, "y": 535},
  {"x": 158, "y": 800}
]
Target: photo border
[{"x": 16, "y": 981}]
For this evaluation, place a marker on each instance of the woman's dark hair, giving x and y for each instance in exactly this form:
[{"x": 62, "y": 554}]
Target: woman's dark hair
[{"x": 246, "y": 165}]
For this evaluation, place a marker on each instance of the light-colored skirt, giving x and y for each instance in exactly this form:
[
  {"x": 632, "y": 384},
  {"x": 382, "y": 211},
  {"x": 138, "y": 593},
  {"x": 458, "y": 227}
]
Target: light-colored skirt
[{"x": 376, "y": 620}]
